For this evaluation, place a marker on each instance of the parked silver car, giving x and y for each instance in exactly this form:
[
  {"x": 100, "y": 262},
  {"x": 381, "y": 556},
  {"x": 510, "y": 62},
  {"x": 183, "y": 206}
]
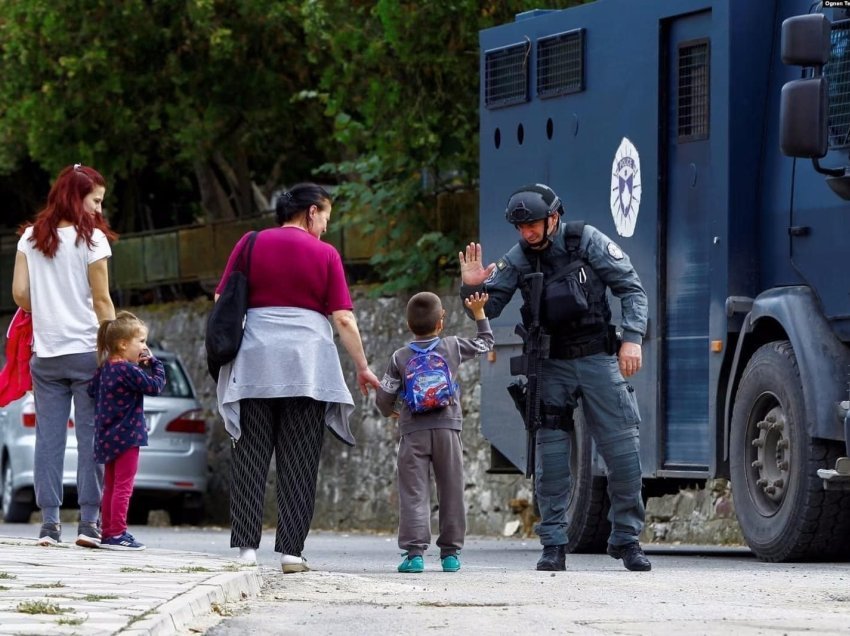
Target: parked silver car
[{"x": 172, "y": 471}]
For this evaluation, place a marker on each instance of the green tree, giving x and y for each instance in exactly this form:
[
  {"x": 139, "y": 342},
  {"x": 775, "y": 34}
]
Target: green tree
[
  {"x": 193, "y": 100},
  {"x": 198, "y": 109},
  {"x": 401, "y": 84}
]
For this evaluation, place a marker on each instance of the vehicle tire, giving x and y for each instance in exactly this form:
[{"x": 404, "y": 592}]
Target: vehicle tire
[
  {"x": 587, "y": 508},
  {"x": 13, "y": 511},
  {"x": 783, "y": 510}
]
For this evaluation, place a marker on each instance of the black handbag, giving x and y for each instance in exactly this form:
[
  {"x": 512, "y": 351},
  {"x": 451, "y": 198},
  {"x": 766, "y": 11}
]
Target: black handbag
[{"x": 226, "y": 322}]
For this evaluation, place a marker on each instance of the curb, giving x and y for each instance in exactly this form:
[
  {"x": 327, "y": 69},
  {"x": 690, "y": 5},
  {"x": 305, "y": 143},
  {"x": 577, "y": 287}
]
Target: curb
[{"x": 179, "y": 612}]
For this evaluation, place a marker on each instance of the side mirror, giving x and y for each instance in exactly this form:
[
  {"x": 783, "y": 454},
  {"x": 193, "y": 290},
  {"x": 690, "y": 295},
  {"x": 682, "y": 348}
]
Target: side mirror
[
  {"x": 803, "y": 118},
  {"x": 805, "y": 40}
]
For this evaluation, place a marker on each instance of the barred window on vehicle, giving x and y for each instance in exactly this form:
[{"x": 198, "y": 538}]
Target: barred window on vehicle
[
  {"x": 560, "y": 64},
  {"x": 506, "y": 75},
  {"x": 837, "y": 72},
  {"x": 692, "y": 100}
]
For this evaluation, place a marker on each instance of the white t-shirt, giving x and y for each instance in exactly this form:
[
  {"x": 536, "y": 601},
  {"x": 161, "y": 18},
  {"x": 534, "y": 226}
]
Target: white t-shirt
[{"x": 63, "y": 318}]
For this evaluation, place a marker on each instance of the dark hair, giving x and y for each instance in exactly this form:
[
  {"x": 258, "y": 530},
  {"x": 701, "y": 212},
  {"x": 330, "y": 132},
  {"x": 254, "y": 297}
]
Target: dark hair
[
  {"x": 424, "y": 311},
  {"x": 65, "y": 203},
  {"x": 298, "y": 199},
  {"x": 111, "y": 332}
]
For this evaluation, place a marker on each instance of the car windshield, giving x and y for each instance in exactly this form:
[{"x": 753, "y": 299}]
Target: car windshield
[{"x": 176, "y": 382}]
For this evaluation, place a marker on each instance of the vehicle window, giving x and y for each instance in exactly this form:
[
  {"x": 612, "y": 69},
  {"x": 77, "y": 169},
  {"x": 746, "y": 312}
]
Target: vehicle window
[{"x": 176, "y": 383}]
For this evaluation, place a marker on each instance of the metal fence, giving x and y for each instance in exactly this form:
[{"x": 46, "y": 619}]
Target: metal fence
[{"x": 195, "y": 253}]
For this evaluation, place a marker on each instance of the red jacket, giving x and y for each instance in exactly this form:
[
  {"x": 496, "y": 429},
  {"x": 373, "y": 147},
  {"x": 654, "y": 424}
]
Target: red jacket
[{"x": 15, "y": 378}]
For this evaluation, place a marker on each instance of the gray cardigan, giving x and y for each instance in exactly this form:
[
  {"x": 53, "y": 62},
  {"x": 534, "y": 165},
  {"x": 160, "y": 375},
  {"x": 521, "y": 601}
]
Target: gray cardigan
[{"x": 286, "y": 352}]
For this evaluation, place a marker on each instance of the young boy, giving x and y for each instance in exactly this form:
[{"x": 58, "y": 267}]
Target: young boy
[{"x": 431, "y": 438}]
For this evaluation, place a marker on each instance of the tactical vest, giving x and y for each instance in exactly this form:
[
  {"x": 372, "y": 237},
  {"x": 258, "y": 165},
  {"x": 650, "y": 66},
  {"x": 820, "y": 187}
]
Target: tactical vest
[{"x": 575, "y": 330}]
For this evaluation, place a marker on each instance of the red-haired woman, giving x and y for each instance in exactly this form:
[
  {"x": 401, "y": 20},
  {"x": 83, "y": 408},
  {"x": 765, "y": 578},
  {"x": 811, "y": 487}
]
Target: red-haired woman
[{"x": 61, "y": 276}]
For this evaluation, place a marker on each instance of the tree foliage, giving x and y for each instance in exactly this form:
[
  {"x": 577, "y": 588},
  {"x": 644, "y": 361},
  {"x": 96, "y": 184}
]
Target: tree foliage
[
  {"x": 402, "y": 90},
  {"x": 190, "y": 100},
  {"x": 198, "y": 109}
]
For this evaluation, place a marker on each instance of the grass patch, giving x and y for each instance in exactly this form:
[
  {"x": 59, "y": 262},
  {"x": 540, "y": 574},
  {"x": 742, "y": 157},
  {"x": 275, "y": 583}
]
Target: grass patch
[
  {"x": 73, "y": 622},
  {"x": 6, "y": 575},
  {"x": 92, "y": 598},
  {"x": 192, "y": 569},
  {"x": 47, "y": 585},
  {"x": 140, "y": 617},
  {"x": 41, "y": 607}
]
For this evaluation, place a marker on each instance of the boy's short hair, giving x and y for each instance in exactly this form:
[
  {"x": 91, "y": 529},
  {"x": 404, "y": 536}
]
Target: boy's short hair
[{"x": 424, "y": 311}]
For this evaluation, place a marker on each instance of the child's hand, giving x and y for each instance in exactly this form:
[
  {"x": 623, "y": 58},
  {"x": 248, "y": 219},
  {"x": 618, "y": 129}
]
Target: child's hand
[
  {"x": 475, "y": 302},
  {"x": 145, "y": 357}
]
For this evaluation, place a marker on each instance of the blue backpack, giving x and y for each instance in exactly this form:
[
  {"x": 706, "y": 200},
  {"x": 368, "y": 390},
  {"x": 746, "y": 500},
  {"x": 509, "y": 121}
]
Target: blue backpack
[{"x": 428, "y": 383}]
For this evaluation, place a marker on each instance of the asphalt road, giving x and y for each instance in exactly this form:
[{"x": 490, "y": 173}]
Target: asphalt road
[{"x": 354, "y": 589}]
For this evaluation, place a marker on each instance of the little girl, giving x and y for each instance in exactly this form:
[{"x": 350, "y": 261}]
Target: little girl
[{"x": 118, "y": 388}]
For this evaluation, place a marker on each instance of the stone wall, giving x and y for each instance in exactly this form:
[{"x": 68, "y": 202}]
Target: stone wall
[{"x": 356, "y": 489}]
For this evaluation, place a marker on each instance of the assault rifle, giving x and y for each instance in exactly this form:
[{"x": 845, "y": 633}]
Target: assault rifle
[{"x": 535, "y": 349}]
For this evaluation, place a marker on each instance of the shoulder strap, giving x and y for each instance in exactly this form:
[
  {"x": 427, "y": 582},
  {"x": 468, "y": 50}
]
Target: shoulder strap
[
  {"x": 425, "y": 349},
  {"x": 245, "y": 260},
  {"x": 572, "y": 239},
  {"x": 574, "y": 230}
]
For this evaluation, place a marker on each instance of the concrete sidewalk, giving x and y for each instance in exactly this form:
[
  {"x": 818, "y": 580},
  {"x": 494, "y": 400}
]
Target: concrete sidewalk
[{"x": 67, "y": 589}]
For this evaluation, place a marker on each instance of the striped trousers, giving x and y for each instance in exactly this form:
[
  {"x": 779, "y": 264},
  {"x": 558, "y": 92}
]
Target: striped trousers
[{"x": 294, "y": 429}]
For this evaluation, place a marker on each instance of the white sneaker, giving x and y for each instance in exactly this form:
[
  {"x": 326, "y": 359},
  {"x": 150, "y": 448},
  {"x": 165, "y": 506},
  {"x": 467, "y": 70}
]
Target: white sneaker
[
  {"x": 290, "y": 564},
  {"x": 248, "y": 556}
]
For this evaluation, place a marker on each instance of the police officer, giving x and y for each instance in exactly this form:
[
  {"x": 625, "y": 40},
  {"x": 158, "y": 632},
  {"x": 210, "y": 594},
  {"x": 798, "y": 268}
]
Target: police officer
[{"x": 586, "y": 360}]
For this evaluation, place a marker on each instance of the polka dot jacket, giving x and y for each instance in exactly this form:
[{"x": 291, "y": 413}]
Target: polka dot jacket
[{"x": 118, "y": 389}]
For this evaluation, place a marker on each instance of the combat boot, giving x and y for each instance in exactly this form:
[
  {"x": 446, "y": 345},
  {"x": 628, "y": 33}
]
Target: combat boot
[
  {"x": 632, "y": 555},
  {"x": 553, "y": 558}
]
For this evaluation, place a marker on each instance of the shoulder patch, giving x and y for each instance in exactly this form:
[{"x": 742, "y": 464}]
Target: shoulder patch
[
  {"x": 501, "y": 264},
  {"x": 615, "y": 251}
]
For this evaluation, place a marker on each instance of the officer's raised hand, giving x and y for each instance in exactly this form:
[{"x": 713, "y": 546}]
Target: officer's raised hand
[
  {"x": 629, "y": 358},
  {"x": 472, "y": 270}
]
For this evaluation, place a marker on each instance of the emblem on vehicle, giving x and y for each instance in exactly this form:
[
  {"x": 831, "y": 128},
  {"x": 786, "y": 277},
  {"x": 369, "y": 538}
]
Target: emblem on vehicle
[{"x": 625, "y": 188}]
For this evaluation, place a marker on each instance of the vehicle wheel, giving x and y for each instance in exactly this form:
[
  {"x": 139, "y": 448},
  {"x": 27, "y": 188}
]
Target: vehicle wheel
[
  {"x": 783, "y": 510},
  {"x": 13, "y": 511},
  {"x": 587, "y": 508}
]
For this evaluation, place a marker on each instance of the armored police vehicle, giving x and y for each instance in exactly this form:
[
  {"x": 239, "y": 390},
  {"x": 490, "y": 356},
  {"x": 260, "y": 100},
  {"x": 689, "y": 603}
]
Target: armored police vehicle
[{"x": 710, "y": 140}]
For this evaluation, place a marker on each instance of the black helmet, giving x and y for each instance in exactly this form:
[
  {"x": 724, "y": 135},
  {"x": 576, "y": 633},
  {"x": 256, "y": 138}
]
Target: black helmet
[{"x": 532, "y": 203}]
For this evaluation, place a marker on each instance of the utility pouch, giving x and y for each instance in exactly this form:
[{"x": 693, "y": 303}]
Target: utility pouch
[
  {"x": 518, "y": 390},
  {"x": 614, "y": 341},
  {"x": 565, "y": 294}
]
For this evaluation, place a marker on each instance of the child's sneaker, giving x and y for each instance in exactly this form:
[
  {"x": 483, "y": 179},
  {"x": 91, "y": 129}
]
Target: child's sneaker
[
  {"x": 291, "y": 564},
  {"x": 88, "y": 535},
  {"x": 124, "y": 541},
  {"x": 451, "y": 563},
  {"x": 51, "y": 534},
  {"x": 412, "y": 564}
]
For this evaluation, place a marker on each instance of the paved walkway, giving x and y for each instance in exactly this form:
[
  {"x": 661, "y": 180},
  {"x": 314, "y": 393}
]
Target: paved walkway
[{"x": 67, "y": 589}]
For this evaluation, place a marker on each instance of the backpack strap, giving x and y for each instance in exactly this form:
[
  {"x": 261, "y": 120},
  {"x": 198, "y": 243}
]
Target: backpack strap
[{"x": 426, "y": 349}]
